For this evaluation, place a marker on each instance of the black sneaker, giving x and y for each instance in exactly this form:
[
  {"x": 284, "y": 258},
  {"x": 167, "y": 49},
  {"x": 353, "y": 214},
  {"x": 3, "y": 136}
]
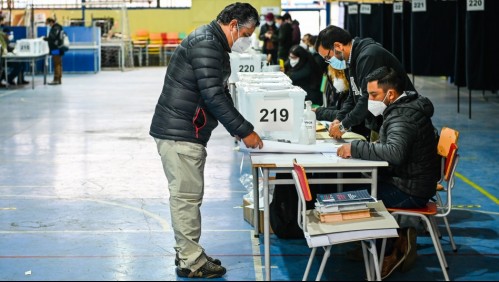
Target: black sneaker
[
  {"x": 208, "y": 270},
  {"x": 215, "y": 261}
]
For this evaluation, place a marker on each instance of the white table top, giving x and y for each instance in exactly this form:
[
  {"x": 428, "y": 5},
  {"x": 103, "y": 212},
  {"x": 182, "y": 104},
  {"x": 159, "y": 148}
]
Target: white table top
[{"x": 309, "y": 160}]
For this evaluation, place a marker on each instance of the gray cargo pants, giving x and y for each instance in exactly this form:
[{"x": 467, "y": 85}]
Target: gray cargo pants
[{"x": 183, "y": 164}]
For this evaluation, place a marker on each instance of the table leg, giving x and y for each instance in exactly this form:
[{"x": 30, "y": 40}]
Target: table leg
[
  {"x": 374, "y": 185},
  {"x": 266, "y": 222},
  {"x": 33, "y": 74},
  {"x": 5, "y": 72},
  {"x": 45, "y": 69},
  {"x": 256, "y": 202}
]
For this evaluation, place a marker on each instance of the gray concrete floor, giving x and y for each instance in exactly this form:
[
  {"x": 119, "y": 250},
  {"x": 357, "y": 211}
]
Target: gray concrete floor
[{"x": 83, "y": 195}]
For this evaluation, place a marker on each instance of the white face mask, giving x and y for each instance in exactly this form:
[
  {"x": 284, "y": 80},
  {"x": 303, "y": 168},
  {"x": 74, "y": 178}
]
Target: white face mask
[
  {"x": 294, "y": 62},
  {"x": 241, "y": 44},
  {"x": 11, "y": 37},
  {"x": 376, "y": 107},
  {"x": 312, "y": 50},
  {"x": 277, "y": 25},
  {"x": 339, "y": 84},
  {"x": 270, "y": 23},
  {"x": 305, "y": 46}
]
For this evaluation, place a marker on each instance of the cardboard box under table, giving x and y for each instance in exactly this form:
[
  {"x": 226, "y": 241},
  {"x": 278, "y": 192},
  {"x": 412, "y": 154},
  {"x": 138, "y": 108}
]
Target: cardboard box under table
[{"x": 248, "y": 209}]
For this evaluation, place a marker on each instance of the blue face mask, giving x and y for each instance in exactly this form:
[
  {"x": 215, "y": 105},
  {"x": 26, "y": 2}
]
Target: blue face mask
[{"x": 336, "y": 63}]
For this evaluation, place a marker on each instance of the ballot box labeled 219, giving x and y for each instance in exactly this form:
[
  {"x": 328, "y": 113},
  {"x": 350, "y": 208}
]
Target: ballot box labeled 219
[{"x": 275, "y": 113}]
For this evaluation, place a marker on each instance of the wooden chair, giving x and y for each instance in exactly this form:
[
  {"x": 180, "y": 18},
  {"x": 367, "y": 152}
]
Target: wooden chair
[
  {"x": 327, "y": 240},
  {"x": 155, "y": 47},
  {"x": 448, "y": 149},
  {"x": 140, "y": 40},
  {"x": 170, "y": 42}
]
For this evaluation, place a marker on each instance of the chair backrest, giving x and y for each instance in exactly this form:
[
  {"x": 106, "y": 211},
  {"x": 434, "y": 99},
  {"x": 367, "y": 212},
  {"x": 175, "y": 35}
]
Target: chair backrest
[
  {"x": 172, "y": 37},
  {"x": 303, "y": 190},
  {"x": 447, "y": 137},
  {"x": 450, "y": 168}
]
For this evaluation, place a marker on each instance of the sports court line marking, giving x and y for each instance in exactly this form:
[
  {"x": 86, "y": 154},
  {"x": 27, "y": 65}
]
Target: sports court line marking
[
  {"x": 480, "y": 189},
  {"x": 257, "y": 259}
]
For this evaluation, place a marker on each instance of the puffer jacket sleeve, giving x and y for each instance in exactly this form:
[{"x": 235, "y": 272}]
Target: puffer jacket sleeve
[
  {"x": 206, "y": 58},
  {"x": 403, "y": 134}
]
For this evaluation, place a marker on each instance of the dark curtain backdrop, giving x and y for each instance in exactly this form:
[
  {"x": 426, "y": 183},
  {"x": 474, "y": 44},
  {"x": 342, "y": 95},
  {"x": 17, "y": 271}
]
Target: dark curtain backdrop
[
  {"x": 482, "y": 47},
  {"x": 387, "y": 26},
  {"x": 353, "y": 22},
  {"x": 401, "y": 36},
  {"x": 459, "y": 78},
  {"x": 372, "y": 25},
  {"x": 433, "y": 38}
]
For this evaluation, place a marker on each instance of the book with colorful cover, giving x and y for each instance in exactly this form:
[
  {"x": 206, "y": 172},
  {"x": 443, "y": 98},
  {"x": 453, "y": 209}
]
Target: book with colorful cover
[{"x": 344, "y": 198}]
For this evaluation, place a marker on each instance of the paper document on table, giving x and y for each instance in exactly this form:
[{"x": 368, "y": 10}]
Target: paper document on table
[{"x": 283, "y": 147}]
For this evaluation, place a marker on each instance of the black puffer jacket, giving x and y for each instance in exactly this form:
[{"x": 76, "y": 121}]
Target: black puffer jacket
[
  {"x": 408, "y": 142},
  {"x": 53, "y": 38},
  {"x": 195, "y": 95}
]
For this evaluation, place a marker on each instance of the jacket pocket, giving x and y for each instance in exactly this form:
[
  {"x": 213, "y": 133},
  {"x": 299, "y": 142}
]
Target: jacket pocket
[{"x": 199, "y": 120}]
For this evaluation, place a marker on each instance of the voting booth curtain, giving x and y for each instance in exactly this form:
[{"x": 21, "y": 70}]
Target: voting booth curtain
[
  {"x": 375, "y": 22},
  {"x": 401, "y": 33},
  {"x": 432, "y": 38},
  {"x": 352, "y": 19},
  {"x": 481, "y": 47},
  {"x": 436, "y": 38}
]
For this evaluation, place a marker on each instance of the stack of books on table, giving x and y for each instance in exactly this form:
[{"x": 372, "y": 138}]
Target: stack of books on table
[{"x": 342, "y": 206}]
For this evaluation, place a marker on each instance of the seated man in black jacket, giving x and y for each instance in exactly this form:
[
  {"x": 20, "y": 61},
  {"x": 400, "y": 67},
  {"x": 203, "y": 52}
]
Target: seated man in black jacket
[{"x": 408, "y": 142}]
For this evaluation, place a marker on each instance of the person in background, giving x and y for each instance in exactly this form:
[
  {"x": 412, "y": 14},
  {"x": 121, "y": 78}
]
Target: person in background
[
  {"x": 194, "y": 98},
  {"x": 54, "y": 42},
  {"x": 317, "y": 57},
  {"x": 295, "y": 26},
  {"x": 305, "y": 41},
  {"x": 284, "y": 39},
  {"x": 408, "y": 142},
  {"x": 358, "y": 57},
  {"x": 336, "y": 93},
  {"x": 303, "y": 72},
  {"x": 269, "y": 36},
  {"x": 16, "y": 68}
]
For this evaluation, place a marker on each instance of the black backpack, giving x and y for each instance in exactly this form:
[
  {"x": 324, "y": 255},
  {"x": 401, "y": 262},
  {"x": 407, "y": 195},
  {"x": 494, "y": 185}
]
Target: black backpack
[{"x": 284, "y": 211}]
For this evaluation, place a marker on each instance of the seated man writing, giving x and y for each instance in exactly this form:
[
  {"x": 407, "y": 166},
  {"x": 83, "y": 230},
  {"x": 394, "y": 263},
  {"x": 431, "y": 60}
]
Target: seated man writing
[{"x": 408, "y": 142}]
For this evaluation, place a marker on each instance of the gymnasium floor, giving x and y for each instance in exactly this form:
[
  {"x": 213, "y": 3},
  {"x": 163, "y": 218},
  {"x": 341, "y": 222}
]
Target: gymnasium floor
[{"x": 83, "y": 195}]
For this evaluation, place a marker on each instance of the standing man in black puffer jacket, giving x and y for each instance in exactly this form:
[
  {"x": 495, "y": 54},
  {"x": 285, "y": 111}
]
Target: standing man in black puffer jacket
[
  {"x": 194, "y": 98},
  {"x": 56, "y": 51},
  {"x": 408, "y": 142}
]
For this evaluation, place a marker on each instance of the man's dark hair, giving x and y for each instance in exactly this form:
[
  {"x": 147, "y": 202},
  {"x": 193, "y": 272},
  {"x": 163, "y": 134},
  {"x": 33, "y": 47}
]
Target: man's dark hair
[
  {"x": 50, "y": 20},
  {"x": 244, "y": 13},
  {"x": 286, "y": 16},
  {"x": 313, "y": 39},
  {"x": 331, "y": 34},
  {"x": 279, "y": 18},
  {"x": 387, "y": 79}
]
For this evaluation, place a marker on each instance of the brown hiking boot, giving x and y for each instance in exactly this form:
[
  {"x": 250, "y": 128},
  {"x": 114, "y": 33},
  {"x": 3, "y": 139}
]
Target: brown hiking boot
[
  {"x": 208, "y": 270},
  {"x": 410, "y": 249}
]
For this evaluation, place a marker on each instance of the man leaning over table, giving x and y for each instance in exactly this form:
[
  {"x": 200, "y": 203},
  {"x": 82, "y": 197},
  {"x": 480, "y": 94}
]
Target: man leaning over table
[
  {"x": 194, "y": 99},
  {"x": 408, "y": 142}
]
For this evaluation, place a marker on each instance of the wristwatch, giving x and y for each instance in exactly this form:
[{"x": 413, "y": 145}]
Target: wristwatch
[{"x": 342, "y": 128}]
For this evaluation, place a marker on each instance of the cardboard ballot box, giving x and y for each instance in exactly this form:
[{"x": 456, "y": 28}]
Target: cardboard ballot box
[{"x": 248, "y": 215}]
